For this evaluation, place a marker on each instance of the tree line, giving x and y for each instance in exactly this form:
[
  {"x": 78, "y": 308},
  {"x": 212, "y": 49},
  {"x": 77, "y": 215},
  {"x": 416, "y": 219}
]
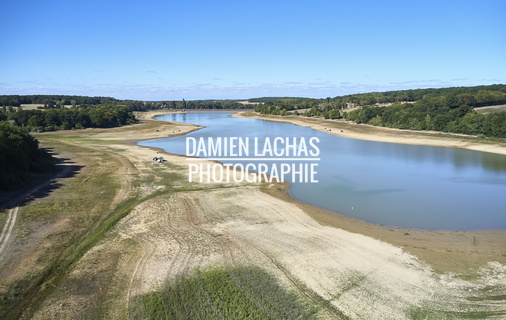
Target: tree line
[
  {"x": 476, "y": 96},
  {"x": 51, "y": 101},
  {"x": 422, "y": 116},
  {"x": 20, "y": 157},
  {"x": 99, "y": 116},
  {"x": 183, "y": 104},
  {"x": 283, "y": 105},
  {"x": 275, "y": 99},
  {"x": 60, "y": 101}
]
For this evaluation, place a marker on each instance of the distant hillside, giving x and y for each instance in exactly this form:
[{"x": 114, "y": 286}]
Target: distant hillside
[
  {"x": 483, "y": 95},
  {"x": 476, "y": 96},
  {"x": 272, "y": 99},
  {"x": 443, "y": 109}
]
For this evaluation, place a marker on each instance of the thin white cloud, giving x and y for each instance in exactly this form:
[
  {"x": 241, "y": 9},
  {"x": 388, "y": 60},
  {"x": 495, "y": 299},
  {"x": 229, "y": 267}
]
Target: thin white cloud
[
  {"x": 494, "y": 80},
  {"x": 212, "y": 90}
]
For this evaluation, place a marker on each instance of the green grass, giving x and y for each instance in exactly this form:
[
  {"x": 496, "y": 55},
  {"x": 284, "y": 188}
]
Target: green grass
[
  {"x": 234, "y": 293},
  {"x": 451, "y": 315},
  {"x": 489, "y": 298},
  {"x": 429, "y": 313},
  {"x": 83, "y": 201},
  {"x": 3, "y": 216}
]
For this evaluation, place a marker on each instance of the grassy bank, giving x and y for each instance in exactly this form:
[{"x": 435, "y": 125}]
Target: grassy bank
[
  {"x": 77, "y": 212},
  {"x": 234, "y": 293},
  {"x": 73, "y": 209}
]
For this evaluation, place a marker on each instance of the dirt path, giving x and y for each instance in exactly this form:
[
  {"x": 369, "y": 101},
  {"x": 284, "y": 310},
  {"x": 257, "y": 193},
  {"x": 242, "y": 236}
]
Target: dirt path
[
  {"x": 125, "y": 171},
  {"x": 7, "y": 229},
  {"x": 14, "y": 204}
]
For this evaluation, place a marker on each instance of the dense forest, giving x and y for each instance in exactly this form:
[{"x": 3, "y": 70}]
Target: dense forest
[
  {"x": 52, "y": 101},
  {"x": 445, "y": 109},
  {"x": 274, "y": 99},
  {"x": 422, "y": 115},
  {"x": 20, "y": 156},
  {"x": 183, "y": 104},
  {"x": 99, "y": 116}
]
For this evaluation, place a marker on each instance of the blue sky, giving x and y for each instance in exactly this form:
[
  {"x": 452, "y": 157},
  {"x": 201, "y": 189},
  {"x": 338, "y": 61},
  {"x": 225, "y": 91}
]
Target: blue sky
[{"x": 192, "y": 49}]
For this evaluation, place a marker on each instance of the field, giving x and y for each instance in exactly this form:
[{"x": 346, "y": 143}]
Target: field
[
  {"x": 122, "y": 236},
  {"x": 491, "y": 109},
  {"x": 35, "y": 106}
]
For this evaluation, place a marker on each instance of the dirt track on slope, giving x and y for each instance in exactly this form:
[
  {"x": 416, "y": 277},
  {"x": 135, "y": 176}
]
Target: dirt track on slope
[
  {"x": 14, "y": 205},
  {"x": 7, "y": 229}
]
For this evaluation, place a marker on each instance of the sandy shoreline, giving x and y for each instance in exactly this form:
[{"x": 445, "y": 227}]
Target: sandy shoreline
[{"x": 381, "y": 134}]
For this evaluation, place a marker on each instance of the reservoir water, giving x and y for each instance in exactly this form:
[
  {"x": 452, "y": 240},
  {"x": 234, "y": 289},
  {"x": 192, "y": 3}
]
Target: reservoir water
[{"x": 383, "y": 183}]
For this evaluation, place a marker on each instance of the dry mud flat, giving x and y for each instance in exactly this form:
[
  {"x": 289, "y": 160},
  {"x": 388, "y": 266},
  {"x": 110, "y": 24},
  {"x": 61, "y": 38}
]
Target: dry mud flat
[{"x": 344, "y": 274}]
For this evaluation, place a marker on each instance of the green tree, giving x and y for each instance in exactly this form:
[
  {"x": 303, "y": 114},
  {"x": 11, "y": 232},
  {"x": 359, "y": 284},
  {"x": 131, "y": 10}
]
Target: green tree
[
  {"x": 495, "y": 125},
  {"x": 19, "y": 156}
]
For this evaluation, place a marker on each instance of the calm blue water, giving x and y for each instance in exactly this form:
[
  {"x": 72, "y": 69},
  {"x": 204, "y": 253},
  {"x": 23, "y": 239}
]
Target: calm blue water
[{"x": 383, "y": 183}]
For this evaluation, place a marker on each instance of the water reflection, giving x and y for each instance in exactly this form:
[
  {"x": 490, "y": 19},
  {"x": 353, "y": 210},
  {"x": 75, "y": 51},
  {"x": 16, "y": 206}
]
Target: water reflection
[{"x": 459, "y": 158}]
